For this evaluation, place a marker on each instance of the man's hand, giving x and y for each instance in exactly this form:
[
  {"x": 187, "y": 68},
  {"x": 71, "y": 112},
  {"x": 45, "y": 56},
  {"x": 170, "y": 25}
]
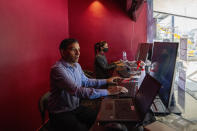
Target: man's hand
[
  {"x": 120, "y": 64},
  {"x": 114, "y": 80},
  {"x": 116, "y": 90},
  {"x": 117, "y": 62}
]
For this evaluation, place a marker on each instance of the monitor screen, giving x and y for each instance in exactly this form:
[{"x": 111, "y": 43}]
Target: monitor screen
[
  {"x": 150, "y": 52},
  {"x": 162, "y": 68},
  {"x": 144, "y": 51}
]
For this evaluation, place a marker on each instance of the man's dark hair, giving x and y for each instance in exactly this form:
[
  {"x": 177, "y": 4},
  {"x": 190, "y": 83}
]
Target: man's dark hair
[{"x": 66, "y": 42}]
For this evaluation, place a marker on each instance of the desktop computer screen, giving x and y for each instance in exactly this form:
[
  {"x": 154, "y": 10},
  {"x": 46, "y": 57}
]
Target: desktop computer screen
[
  {"x": 144, "y": 51},
  {"x": 162, "y": 69}
]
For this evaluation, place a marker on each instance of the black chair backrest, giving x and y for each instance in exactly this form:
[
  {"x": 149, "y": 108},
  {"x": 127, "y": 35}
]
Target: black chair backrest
[{"x": 43, "y": 105}]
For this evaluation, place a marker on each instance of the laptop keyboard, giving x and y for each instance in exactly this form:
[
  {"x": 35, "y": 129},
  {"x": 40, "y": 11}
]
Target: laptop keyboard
[
  {"x": 131, "y": 87},
  {"x": 123, "y": 109},
  {"x": 124, "y": 73},
  {"x": 158, "y": 106},
  {"x": 128, "y": 94}
]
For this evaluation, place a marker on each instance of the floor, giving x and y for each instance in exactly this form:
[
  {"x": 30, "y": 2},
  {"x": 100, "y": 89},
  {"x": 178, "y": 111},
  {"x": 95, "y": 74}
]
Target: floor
[{"x": 189, "y": 110}]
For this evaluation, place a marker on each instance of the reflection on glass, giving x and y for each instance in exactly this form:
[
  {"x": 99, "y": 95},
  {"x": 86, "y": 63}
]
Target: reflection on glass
[{"x": 162, "y": 69}]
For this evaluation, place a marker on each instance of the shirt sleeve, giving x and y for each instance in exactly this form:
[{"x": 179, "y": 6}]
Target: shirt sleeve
[
  {"x": 61, "y": 80},
  {"x": 86, "y": 82},
  {"x": 103, "y": 64}
]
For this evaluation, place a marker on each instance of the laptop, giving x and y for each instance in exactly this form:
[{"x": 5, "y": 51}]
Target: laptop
[
  {"x": 128, "y": 71},
  {"x": 131, "y": 86},
  {"x": 128, "y": 109},
  {"x": 124, "y": 72},
  {"x": 158, "y": 108}
]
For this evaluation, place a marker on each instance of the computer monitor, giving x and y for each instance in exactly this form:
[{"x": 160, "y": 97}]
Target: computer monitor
[
  {"x": 144, "y": 51},
  {"x": 150, "y": 52},
  {"x": 162, "y": 69}
]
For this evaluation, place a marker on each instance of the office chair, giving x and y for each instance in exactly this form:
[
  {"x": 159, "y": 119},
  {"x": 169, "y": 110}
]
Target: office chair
[
  {"x": 43, "y": 105},
  {"x": 89, "y": 74}
]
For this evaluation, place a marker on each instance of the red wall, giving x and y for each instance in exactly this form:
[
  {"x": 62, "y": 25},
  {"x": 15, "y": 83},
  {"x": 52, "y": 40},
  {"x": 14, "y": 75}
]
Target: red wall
[
  {"x": 30, "y": 32},
  {"x": 93, "y": 20}
]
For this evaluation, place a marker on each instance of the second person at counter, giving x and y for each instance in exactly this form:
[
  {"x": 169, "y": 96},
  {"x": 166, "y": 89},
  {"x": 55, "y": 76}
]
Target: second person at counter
[{"x": 101, "y": 66}]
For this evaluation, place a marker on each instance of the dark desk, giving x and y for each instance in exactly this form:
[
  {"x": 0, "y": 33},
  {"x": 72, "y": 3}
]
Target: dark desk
[
  {"x": 95, "y": 103},
  {"x": 133, "y": 85},
  {"x": 149, "y": 118}
]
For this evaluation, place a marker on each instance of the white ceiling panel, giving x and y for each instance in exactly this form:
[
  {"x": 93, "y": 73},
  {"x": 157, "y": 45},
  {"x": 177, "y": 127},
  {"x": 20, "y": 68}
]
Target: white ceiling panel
[{"x": 178, "y": 7}]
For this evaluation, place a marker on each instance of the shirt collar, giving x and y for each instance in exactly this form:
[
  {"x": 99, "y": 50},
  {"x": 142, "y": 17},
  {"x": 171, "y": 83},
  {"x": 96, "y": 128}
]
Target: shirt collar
[{"x": 66, "y": 64}]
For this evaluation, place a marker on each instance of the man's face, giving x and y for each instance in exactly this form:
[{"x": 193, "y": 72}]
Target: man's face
[{"x": 72, "y": 53}]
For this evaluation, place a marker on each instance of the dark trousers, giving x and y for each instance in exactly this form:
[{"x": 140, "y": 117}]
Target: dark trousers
[{"x": 80, "y": 119}]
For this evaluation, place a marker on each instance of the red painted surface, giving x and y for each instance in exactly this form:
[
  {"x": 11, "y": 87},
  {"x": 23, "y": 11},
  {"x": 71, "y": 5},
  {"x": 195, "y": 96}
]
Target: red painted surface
[
  {"x": 30, "y": 33},
  {"x": 93, "y": 20}
]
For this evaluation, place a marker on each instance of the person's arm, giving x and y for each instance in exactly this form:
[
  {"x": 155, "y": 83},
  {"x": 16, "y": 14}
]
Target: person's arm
[
  {"x": 60, "y": 79},
  {"x": 87, "y": 82},
  {"x": 104, "y": 65}
]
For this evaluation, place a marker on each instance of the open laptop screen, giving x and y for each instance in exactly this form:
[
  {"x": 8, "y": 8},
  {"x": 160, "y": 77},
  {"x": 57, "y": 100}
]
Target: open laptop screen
[
  {"x": 146, "y": 93},
  {"x": 163, "y": 65}
]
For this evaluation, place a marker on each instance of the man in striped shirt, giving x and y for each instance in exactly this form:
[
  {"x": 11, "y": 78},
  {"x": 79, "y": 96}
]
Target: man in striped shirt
[{"x": 68, "y": 84}]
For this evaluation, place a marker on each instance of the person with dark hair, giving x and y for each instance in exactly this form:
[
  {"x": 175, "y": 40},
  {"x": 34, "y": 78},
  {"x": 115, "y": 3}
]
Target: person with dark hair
[
  {"x": 101, "y": 66},
  {"x": 68, "y": 84}
]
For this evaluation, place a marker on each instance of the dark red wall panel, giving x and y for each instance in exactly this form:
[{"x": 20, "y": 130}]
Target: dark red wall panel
[
  {"x": 30, "y": 32},
  {"x": 93, "y": 20}
]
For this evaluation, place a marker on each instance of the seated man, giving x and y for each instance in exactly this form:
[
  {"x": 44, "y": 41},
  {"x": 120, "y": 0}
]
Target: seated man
[{"x": 68, "y": 84}]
